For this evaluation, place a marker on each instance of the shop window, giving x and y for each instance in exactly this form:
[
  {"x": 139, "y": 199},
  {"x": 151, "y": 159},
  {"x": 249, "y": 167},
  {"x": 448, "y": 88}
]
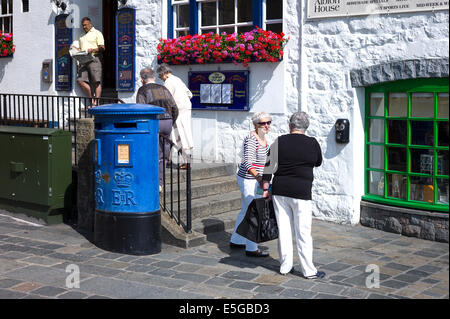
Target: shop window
[
  {"x": 223, "y": 16},
  {"x": 407, "y": 132},
  {"x": 6, "y": 16}
]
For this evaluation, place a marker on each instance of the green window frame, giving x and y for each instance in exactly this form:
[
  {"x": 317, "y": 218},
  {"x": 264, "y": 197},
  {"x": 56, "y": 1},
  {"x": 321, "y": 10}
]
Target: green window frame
[{"x": 407, "y": 144}]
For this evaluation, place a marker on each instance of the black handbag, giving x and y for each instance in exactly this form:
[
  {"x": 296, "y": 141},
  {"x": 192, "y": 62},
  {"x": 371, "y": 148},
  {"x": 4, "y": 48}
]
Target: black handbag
[{"x": 259, "y": 224}]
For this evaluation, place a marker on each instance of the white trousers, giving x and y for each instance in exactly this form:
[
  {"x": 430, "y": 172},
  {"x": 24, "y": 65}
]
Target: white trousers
[
  {"x": 248, "y": 193},
  {"x": 293, "y": 213}
]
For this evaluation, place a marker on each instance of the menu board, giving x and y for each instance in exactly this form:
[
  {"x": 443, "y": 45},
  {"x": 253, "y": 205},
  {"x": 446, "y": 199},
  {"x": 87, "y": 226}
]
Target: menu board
[{"x": 219, "y": 90}]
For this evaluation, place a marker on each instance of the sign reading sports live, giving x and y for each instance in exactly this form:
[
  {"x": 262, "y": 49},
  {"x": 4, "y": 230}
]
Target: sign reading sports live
[
  {"x": 125, "y": 55},
  {"x": 346, "y": 8}
]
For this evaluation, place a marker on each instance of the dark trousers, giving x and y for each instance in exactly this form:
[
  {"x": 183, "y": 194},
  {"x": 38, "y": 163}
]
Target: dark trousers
[{"x": 165, "y": 128}]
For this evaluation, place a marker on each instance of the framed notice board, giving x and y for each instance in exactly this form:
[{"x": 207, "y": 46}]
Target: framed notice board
[
  {"x": 63, "y": 65},
  {"x": 125, "y": 49},
  {"x": 219, "y": 90}
]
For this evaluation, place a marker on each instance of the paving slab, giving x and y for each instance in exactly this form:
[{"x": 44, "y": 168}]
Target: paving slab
[{"x": 34, "y": 261}]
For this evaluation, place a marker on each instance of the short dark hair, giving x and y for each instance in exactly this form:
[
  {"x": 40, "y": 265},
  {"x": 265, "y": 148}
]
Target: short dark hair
[
  {"x": 86, "y": 19},
  {"x": 147, "y": 73}
]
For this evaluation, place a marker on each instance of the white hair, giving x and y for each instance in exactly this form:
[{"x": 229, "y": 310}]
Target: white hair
[{"x": 258, "y": 116}]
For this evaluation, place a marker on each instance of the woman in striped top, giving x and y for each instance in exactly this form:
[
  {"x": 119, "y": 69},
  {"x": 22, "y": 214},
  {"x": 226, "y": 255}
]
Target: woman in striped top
[{"x": 249, "y": 178}]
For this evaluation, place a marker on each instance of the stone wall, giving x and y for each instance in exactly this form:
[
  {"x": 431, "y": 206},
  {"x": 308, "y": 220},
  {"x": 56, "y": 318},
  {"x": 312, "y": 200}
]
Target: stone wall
[
  {"x": 332, "y": 49},
  {"x": 408, "y": 222}
]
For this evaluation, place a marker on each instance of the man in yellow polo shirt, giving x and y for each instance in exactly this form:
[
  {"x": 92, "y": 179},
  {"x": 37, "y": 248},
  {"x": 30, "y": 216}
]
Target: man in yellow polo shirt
[{"x": 90, "y": 74}]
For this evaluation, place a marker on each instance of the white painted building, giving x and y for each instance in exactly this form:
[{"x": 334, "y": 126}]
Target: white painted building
[{"x": 329, "y": 63}]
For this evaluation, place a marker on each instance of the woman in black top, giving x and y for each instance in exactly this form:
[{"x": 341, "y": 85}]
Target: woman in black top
[{"x": 291, "y": 161}]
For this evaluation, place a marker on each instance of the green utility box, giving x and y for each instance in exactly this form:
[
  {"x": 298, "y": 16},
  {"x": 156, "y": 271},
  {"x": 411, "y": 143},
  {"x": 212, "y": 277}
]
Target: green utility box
[{"x": 36, "y": 172}]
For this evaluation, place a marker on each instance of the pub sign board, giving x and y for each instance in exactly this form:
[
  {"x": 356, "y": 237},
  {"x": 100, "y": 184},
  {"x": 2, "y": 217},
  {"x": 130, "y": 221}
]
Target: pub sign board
[
  {"x": 347, "y": 8},
  {"x": 125, "y": 49},
  {"x": 219, "y": 90},
  {"x": 63, "y": 65}
]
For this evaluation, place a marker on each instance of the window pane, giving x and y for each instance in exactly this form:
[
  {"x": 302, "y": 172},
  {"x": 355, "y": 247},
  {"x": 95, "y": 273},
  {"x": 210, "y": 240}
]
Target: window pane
[
  {"x": 397, "y": 104},
  {"x": 226, "y": 30},
  {"x": 4, "y": 7},
  {"x": 182, "y": 16},
  {"x": 422, "y": 133},
  {"x": 443, "y": 105},
  {"x": 442, "y": 162},
  {"x": 422, "y": 161},
  {"x": 443, "y": 133},
  {"x": 226, "y": 12},
  {"x": 376, "y": 156},
  {"x": 274, "y": 9},
  {"x": 396, "y": 186},
  {"x": 182, "y": 33},
  {"x": 422, "y": 105},
  {"x": 244, "y": 10},
  {"x": 245, "y": 29},
  {"x": 442, "y": 190},
  {"x": 377, "y": 104},
  {"x": 397, "y": 133},
  {"x": 376, "y": 131},
  {"x": 208, "y": 13},
  {"x": 10, "y": 7},
  {"x": 422, "y": 189},
  {"x": 376, "y": 183},
  {"x": 396, "y": 158},
  {"x": 275, "y": 27}
]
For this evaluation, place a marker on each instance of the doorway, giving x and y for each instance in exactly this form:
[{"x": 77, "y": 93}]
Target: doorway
[{"x": 109, "y": 56}]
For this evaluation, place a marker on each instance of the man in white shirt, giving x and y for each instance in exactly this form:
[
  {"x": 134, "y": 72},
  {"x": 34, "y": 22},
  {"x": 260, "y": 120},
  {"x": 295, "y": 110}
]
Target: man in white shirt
[{"x": 90, "y": 74}]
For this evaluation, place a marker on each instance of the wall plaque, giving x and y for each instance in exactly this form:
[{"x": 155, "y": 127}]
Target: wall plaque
[
  {"x": 63, "y": 65},
  {"x": 344, "y": 8},
  {"x": 125, "y": 54},
  {"x": 220, "y": 90}
]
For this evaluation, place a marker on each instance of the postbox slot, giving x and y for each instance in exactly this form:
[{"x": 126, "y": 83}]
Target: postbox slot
[{"x": 125, "y": 125}]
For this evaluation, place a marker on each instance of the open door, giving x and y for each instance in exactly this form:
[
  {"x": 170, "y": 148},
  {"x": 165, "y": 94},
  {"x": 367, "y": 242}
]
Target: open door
[{"x": 109, "y": 57}]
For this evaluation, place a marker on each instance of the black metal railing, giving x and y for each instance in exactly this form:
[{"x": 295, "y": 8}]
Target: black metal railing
[
  {"x": 52, "y": 111},
  {"x": 183, "y": 197}
]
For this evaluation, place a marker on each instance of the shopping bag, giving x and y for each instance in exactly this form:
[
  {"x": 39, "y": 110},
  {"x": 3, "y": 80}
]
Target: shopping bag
[{"x": 259, "y": 224}]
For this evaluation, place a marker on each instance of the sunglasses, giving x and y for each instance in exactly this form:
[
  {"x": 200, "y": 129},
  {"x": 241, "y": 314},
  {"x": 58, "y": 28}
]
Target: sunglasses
[{"x": 264, "y": 123}]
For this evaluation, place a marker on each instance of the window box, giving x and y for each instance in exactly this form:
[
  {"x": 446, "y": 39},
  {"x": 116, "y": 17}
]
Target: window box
[
  {"x": 255, "y": 46},
  {"x": 7, "y": 47}
]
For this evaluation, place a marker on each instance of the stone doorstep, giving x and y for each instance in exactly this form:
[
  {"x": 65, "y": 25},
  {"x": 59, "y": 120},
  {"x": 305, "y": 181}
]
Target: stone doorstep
[{"x": 173, "y": 234}]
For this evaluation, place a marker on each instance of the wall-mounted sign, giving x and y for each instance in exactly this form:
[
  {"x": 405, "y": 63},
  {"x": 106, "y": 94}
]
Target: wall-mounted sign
[
  {"x": 221, "y": 90},
  {"x": 63, "y": 65},
  {"x": 125, "y": 54},
  {"x": 344, "y": 8}
]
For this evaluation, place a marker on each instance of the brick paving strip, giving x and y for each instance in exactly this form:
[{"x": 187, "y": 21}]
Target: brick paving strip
[{"x": 34, "y": 261}]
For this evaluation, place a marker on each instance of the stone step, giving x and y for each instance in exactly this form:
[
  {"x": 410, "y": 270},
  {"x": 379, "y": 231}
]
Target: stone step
[
  {"x": 216, "y": 223},
  {"x": 203, "y": 171},
  {"x": 209, "y": 206},
  {"x": 202, "y": 188}
]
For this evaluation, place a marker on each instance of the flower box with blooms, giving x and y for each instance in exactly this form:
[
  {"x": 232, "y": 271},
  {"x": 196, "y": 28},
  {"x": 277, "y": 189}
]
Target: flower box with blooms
[
  {"x": 255, "y": 46},
  {"x": 7, "y": 47}
]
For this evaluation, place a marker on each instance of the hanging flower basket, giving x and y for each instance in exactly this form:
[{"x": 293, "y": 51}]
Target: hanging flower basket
[
  {"x": 7, "y": 47},
  {"x": 255, "y": 46}
]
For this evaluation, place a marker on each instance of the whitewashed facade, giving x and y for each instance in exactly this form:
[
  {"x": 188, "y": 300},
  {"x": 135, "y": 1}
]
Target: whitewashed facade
[{"x": 314, "y": 76}]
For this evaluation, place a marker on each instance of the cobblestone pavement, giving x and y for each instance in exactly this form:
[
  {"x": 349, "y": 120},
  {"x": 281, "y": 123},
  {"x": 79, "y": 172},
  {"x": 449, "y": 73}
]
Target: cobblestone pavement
[{"x": 38, "y": 262}]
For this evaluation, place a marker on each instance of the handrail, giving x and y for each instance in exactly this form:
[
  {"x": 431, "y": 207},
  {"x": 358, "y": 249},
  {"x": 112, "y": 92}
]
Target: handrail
[
  {"x": 187, "y": 224},
  {"x": 52, "y": 111}
]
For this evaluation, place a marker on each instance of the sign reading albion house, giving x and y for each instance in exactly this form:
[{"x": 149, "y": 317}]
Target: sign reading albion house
[{"x": 343, "y": 8}]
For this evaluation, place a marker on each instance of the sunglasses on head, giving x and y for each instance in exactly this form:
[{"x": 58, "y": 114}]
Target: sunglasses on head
[{"x": 264, "y": 123}]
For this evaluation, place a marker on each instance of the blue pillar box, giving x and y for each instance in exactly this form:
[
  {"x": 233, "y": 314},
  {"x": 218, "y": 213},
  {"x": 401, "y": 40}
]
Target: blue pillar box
[{"x": 127, "y": 215}]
